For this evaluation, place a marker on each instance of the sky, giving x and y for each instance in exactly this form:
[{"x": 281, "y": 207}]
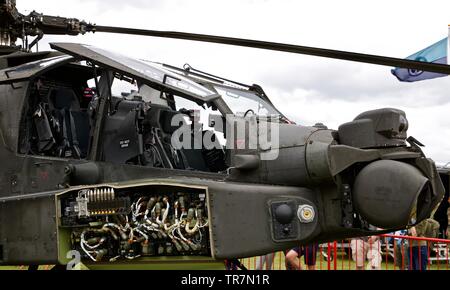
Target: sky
[{"x": 307, "y": 89}]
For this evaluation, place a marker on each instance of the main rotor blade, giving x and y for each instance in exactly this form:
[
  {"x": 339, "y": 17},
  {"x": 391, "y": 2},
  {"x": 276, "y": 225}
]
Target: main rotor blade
[{"x": 322, "y": 52}]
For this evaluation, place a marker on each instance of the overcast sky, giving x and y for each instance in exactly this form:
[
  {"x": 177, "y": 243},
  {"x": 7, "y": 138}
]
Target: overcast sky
[{"x": 307, "y": 89}]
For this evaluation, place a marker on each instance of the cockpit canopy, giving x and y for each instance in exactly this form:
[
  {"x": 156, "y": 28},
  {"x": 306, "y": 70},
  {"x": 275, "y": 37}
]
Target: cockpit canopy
[
  {"x": 62, "y": 107},
  {"x": 239, "y": 100}
]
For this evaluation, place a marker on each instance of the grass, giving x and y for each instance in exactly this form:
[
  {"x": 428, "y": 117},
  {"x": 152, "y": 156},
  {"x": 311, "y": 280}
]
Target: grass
[
  {"x": 42, "y": 267},
  {"x": 343, "y": 262}
]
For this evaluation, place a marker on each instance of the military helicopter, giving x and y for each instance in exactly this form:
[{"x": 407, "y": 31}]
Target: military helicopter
[{"x": 91, "y": 175}]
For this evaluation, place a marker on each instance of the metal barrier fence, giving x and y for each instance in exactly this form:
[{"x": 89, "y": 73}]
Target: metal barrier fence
[{"x": 387, "y": 252}]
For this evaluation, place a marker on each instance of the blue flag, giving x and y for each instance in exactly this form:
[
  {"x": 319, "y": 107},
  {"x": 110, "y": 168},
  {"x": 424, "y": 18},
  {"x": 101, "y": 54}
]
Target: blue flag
[{"x": 436, "y": 53}]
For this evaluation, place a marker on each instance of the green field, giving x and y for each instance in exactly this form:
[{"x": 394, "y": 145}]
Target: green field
[{"x": 342, "y": 262}]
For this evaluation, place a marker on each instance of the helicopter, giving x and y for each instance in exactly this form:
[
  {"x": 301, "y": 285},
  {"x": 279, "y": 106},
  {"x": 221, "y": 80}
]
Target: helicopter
[{"x": 102, "y": 178}]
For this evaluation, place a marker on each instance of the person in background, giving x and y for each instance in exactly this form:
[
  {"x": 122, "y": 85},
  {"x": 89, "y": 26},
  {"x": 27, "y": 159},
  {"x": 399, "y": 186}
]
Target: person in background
[
  {"x": 229, "y": 265},
  {"x": 401, "y": 250},
  {"x": 266, "y": 259},
  {"x": 234, "y": 264},
  {"x": 428, "y": 228},
  {"x": 309, "y": 254},
  {"x": 366, "y": 247}
]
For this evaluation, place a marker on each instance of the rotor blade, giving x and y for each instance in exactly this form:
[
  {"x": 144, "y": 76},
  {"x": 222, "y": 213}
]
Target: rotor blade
[{"x": 337, "y": 54}]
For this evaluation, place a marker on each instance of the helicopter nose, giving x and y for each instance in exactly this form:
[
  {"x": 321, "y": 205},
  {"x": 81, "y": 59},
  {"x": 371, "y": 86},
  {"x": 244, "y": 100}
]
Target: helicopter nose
[{"x": 391, "y": 194}]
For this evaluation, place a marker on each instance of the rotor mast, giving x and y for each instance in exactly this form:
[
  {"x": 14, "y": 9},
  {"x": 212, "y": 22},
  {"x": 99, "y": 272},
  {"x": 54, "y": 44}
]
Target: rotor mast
[{"x": 14, "y": 25}]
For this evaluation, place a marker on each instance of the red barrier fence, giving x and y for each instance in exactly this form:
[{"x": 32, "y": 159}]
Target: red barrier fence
[{"x": 384, "y": 252}]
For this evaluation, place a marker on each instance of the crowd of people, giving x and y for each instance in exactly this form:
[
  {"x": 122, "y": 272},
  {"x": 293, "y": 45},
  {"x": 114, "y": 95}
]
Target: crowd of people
[{"x": 409, "y": 254}]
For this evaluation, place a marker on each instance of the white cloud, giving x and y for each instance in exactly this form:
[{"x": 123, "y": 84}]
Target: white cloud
[{"x": 308, "y": 89}]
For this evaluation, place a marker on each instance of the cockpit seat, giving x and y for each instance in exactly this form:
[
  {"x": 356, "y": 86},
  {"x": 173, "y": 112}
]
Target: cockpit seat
[
  {"x": 121, "y": 137},
  {"x": 74, "y": 127}
]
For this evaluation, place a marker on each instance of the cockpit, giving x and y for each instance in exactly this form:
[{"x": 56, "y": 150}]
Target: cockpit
[{"x": 93, "y": 104}]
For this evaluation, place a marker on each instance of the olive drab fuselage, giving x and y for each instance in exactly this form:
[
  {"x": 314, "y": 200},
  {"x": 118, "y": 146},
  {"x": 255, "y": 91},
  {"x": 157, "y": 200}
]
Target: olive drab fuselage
[{"x": 86, "y": 170}]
